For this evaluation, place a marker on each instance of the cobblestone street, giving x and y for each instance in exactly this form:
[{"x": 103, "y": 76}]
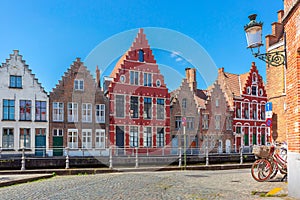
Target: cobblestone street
[{"x": 179, "y": 185}]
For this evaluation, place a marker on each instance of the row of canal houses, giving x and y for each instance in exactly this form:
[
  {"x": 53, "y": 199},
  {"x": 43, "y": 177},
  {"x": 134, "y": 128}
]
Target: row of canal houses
[{"x": 133, "y": 109}]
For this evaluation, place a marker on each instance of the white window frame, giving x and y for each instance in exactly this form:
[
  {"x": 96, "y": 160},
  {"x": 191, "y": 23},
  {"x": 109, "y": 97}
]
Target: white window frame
[
  {"x": 134, "y": 136},
  {"x": 79, "y": 84},
  {"x": 100, "y": 138},
  {"x": 120, "y": 108},
  {"x": 160, "y": 109},
  {"x": 100, "y": 113},
  {"x": 217, "y": 122},
  {"x": 73, "y": 138},
  {"x": 205, "y": 119},
  {"x": 190, "y": 123},
  {"x": 58, "y": 132},
  {"x": 86, "y": 112},
  {"x": 134, "y": 78},
  {"x": 73, "y": 117},
  {"x": 147, "y": 82},
  {"x": 147, "y": 140},
  {"x": 58, "y": 111},
  {"x": 86, "y": 138}
]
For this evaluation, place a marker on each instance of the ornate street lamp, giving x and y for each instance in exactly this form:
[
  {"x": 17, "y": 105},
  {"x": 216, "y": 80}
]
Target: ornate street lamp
[{"x": 254, "y": 39}]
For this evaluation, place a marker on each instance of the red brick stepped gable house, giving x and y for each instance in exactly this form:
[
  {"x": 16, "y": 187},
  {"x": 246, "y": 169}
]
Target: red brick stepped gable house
[
  {"x": 139, "y": 101},
  {"x": 78, "y": 114},
  {"x": 187, "y": 101},
  {"x": 247, "y": 97}
]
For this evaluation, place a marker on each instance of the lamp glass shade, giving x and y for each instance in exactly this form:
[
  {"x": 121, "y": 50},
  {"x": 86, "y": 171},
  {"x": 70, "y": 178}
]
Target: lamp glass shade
[{"x": 254, "y": 35}]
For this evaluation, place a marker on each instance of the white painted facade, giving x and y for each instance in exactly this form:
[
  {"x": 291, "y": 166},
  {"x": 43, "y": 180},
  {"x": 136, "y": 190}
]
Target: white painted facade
[{"x": 31, "y": 91}]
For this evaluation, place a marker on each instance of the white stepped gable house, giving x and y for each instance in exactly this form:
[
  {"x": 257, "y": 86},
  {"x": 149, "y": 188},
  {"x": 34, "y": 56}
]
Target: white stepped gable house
[{"x": 23, "y": 109}]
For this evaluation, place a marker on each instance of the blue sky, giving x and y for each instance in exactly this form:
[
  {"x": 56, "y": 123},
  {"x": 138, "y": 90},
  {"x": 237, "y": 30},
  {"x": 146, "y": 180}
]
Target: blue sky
[{"x": 51, "y": 34}]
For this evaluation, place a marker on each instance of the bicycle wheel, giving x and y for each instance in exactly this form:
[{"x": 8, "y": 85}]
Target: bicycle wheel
[
  {"x": 261, "y": 170},
  {"x": 274, "y": 169}
]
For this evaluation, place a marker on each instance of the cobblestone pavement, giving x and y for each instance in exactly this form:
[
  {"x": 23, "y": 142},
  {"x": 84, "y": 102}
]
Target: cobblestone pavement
[{"x": 175, "y": 185}]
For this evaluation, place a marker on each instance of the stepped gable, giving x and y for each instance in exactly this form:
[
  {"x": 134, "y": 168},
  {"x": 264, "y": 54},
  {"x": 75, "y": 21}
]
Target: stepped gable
[
  {"x": 16, "y": 57},
  {"x": 247, "y": 79},
  {"x": 76, "y": 67},
  {"x": 130, "y": 59},
  {"x": 210, "y": 91}
]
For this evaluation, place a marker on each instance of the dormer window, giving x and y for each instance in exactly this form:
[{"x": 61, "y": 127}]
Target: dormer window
[
  {"x": 141, "y": 55},
  {"x": 78, "y": 84},
  {"x": 15, "y": 81}
]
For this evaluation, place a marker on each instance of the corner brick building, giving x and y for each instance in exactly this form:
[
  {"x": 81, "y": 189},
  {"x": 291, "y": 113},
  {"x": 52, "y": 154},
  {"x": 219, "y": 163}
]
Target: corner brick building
[
  {"x": 78, "y": 113},
  {"x": 139, "y": 115}
]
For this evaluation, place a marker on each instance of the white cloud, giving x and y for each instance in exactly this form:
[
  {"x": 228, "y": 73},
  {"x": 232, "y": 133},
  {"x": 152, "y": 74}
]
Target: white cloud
[
  {"x": 175, "y": 54},
  {"x": 178, "y": 59}
]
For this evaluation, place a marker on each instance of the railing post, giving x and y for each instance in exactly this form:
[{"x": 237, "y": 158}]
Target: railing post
[
  {"x": 23, "y": 160},
  {"x": 180, "y": 158},
  {"x": 163, "y": 151},
  {"x": 110, "y": 158},
  {"x": 0, "y": 151},
  {"x": 207, "y": 160},
  {"x": 136, "y": 158},
  {"x": 241, "y": 155},
  {"x": 67, "y": 158}
]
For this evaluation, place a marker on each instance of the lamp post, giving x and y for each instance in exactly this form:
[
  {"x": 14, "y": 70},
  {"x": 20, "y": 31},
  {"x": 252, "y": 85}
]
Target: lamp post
[{"x": 254, "y": 39}]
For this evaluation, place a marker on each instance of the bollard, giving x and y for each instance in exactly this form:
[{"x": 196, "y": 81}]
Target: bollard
[
  {"x": 110, "y": 158},
  {"x": 136, "y": 158},
  {"x": 179, "y": 162},
  {"x": 207, "y": 161},
  {"x": 241, "y": 155},
  {"x": 67, "y": 158},
  {"x": 23, "y": 160}
]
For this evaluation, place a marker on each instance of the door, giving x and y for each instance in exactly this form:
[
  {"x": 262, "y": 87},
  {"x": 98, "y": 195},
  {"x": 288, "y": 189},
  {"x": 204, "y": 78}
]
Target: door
[
  {"x": 228, "y": 146},
  {"x": 58, "y": 145},
  {"x": 40, "y": 145},
  {"x": 220, "y": 147},
  {"x": 120, "y": 139},
  {"x": 238, "y": 144},
  {"x": 174, "y": 144}
]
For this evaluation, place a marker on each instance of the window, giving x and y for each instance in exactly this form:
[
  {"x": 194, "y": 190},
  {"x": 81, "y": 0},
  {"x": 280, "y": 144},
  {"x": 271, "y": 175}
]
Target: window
[
  {"x": 122, "y": 78},
  {"x": 217, "y": 122},
  {"x": 190, "y": 122},
  {"x": 178, "y": 122},
  {"x": 160, "y": 137},
  {"x": 100, "y": 138},
  {"x": 24, "y": 138},
  {"x": 147, "y": 108},
  {"x": 40, "y": 111},
  {"x": 78, "y": 84},
  {"x": 183, "y": 104},
  {"x": 25, "y": 110},
  {"x": 238, "y": 130},
  {"x": 147, "y": 79},
  {"x": 246, "y": 136},
  {"x": 261, "y": 92},
  {"x": 100, "y": 113},
  {"x": 134, "y": 78},
  {"x": 248, "y": 90},
  {"x": 72, "y": 112},
  {"x": 147, "y": 137},
  {"x": 133, "y": 137},
  {"x": 263, "y": 136},
  {"x": 120, "y": 106},
  {"x": 160, "y": 109},
  {"x": 58, "y": 111},
  {"x": 205, "y": 121},
  {"x": 15, "y": 81},
  {"x": 134, "y": 107},
  {"x": 238, "y": 110},
  {"x": 86, "y": 138},
  {"x": 58, "y": 132},
  {"x": 263, "y": 112},
  {"x": 40, "y": 131},
  {"x": 8, "y": 109},
  {"x": 254, "y": 111},
  {"x": 73, "y": 138},
  {"x": 158, "y": 83},
  {"x": 254, "y": 90},
  {"x": 228, "y": 123},
  {"x": 87, "y": 112},
  {"x": 254, "y": 78},
  {"x": 141, "y": 55},
  {"x": 246, "y": 110},
  {"x": 217, "y": 102},
  {"x": 8, "y": 138}
]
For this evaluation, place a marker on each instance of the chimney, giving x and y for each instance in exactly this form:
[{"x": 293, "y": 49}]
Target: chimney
[
  {"x": 221, "y": 70},
  {"x": 280, "y": 15},
  {"x": 191, "y": 78},
  {"x": 98, "y": 77}
]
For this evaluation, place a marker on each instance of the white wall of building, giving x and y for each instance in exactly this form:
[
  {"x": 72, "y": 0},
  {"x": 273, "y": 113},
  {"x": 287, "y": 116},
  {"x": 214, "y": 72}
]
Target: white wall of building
[{"x": 31, "y": 90}]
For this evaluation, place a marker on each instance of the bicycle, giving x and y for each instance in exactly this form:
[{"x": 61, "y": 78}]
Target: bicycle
[{"x": 271, "y": 160}]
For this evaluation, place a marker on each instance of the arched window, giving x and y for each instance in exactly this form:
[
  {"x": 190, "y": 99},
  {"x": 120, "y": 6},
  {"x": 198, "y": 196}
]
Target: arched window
[
  {"x": 254, "y": 78},
  {"x": 141, "y": 55}
]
